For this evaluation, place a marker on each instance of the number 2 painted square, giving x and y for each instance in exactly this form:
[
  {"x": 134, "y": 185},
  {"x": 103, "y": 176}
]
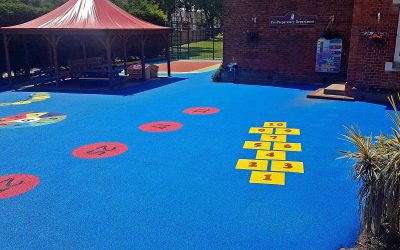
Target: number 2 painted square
[{"x": 247, "y": 164}]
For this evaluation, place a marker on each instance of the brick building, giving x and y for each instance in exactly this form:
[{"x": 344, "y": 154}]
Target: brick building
[{"x": 276, "y": 41}]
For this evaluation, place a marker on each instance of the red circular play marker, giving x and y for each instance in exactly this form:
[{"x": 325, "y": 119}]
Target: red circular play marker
[
  {"x": 161, "y": 127},
  {"x": 100, "y": 150},
  {"x": 201, "y": 111},
  {"x": 16, "y": 184}
]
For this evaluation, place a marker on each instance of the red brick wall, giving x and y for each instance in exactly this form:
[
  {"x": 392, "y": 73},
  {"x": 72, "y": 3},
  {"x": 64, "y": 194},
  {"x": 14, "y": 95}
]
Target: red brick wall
[
  {"x": 367, "y": 61},
  {"x": 283, "y": 54}
]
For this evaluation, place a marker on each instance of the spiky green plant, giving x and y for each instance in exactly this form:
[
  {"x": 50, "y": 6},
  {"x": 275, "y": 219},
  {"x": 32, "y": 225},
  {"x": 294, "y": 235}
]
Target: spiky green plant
[{"x": 377, "y": 170}]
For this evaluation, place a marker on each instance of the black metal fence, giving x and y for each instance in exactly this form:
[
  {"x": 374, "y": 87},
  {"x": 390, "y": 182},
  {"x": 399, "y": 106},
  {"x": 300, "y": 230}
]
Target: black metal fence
[{"x": 198, "y": 43}]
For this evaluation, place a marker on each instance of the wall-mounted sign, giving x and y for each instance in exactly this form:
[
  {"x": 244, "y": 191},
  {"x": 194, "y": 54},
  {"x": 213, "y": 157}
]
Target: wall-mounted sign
[
  {"x": 292, "y": 19},
  {"x": 329, "y": 55}
]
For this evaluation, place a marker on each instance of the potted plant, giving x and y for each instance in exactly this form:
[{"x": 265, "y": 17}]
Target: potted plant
[
  {"x": 375, "y": 37},
  {"x": 253, "y": 33}
]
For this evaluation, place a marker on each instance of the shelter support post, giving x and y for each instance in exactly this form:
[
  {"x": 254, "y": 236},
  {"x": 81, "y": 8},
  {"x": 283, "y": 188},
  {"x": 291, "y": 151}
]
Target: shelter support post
[
  {"x": 83, "y": 43},
  {"x": 6, "y": 41},
  {"x": 53, "y": 41},
  {"x": 142, "y": 56},
  {"x": 27, "y": 64},
  {"x": 125, "y": 40},
  {"x": 168, "y": 53},
  {"x": 107, "y": 43}
]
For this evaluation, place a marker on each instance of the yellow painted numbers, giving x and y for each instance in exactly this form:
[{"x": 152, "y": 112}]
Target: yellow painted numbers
[
  {"x": 261, "y": 131},
  {"x": 273, "y": 135},
  {"x": 287, "y": 166},
  {"x": 295, "y": 147},
  {"x": 247, "y": 164},
  {"x": 287, "y": 131},
  {"x": 257, "y": 145},
  {"x": 273, "y": 138},
  {"x": 275, "y": 124},
  {"x": 271, "y": 155},
  {"x": 267, "y": 178}
]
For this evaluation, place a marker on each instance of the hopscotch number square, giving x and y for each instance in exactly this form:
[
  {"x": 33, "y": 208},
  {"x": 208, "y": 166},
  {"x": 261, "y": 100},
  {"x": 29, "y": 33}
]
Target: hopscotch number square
[
  {"x": 287, "y": 131},
  {"x": 271, "y": 155},
  {"x": 287, "y": 166},
  {"x": 247, "y": 164},
  {"x": 257, "y": 145},
  {"x": 275, "y": 124},
  {"x": 261, "y": 131},
  {"x": 274, "y": 138},
  {"x": 295, "y": 147},
  {"x": 267, "y": 178}
]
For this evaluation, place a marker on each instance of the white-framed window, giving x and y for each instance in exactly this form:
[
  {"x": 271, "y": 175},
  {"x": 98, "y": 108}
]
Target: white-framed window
[
  {"x": 394, "y": 66},
  {"x": 397, "y": 51}
]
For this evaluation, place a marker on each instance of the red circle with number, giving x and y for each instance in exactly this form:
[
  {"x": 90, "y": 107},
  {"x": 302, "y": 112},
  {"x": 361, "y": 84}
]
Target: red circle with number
[
  {"x": 16, "y": 184},
  {"x": 161, "y": 127},
  {"x": 201, "y": 111},
  {"x": 100, "y": 150}
]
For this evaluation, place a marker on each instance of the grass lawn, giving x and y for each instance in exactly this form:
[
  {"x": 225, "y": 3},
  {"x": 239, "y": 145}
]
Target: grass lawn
[{"x": 203, "y": 49}]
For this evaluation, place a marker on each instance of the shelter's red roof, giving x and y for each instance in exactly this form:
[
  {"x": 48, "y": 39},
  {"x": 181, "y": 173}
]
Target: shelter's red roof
[{"x": 88, "y": 14}]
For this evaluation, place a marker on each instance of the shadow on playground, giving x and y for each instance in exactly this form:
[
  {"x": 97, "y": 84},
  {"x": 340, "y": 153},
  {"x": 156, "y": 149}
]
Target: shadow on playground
[{"x": 101, "y": 88}]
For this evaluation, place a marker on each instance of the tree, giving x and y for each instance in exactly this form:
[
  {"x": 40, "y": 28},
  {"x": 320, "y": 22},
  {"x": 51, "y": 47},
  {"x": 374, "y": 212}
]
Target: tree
[
  {"x": 144, "y": 9},
  {"x": 12, "y": 12},
  {"x": 213, "y": 10}
]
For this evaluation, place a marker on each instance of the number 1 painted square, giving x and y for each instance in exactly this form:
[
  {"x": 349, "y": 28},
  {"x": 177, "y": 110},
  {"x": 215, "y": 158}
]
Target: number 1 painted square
[{"x": 267, "y": 178}]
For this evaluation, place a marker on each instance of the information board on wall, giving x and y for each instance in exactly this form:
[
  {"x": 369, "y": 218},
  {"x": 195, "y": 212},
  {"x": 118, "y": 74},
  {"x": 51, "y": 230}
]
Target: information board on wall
[{"x": 329, "y": 55}]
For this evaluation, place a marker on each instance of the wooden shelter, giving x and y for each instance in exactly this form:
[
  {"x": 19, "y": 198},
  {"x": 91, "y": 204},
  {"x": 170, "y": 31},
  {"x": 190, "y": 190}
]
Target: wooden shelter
[{"x": 99, "y": 18}]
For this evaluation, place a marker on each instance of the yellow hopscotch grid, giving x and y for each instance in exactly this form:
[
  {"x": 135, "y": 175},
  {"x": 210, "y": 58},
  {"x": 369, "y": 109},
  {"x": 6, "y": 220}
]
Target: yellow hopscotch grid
[{"x": 273, "y": 135}]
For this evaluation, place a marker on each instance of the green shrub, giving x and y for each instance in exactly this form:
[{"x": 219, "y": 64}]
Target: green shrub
[
  {"x": 217, "y": 75},
  {"x": 377, "y": 170}
]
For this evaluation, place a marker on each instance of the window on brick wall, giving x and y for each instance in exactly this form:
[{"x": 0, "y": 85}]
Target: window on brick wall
[
  {"x": 397, "y": 51},
  {"x": 395, "y": 65}
]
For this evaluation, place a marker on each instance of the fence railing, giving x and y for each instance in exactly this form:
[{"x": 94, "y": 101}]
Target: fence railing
[{"x": 197, "y": 44}]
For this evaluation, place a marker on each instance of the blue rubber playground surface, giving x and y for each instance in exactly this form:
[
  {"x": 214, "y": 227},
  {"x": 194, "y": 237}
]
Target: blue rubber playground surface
[{"x": 86, "y": 171}]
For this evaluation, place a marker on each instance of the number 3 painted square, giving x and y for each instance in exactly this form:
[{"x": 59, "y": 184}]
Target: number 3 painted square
[{"x": 287, "y": 166}]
